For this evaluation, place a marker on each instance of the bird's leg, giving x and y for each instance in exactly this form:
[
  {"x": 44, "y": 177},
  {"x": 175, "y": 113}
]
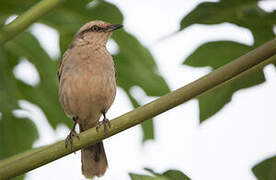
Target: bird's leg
[
  {"x": 72, "y": 133},
  {"x": 104, "y": 122}
]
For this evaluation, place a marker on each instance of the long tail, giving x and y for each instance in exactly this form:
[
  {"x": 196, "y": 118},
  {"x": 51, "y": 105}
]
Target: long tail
[{"x": 93, "y": 159}]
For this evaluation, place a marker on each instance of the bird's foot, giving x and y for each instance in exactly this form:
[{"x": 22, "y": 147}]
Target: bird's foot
[
  {"x": 69, "y": 138},
  {"x": 105, "y": 122}
]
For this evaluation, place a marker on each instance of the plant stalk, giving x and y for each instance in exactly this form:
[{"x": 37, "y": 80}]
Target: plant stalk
[{"x": 26, "y": 19}]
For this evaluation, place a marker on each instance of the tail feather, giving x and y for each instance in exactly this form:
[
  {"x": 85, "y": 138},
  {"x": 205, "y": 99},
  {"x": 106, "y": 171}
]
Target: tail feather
[
  {"x": 94, "y": 162},
  {"x": 93, "y": 158}
]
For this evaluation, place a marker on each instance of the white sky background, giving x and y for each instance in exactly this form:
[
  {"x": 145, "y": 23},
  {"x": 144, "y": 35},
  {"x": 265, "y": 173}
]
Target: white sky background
[{"x": 224, "y": 147}]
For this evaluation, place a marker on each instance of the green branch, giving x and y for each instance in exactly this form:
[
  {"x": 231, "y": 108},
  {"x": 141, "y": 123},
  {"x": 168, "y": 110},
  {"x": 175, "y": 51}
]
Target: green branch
[
  {"x": 26, "y": 19},
  {"x": 247, "y": 63}
]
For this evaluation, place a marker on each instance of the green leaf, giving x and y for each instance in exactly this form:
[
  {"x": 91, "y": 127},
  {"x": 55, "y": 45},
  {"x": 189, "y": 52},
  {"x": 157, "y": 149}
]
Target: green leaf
[
  {"x": 212, "y": 101},
  {"x": 168, "y": 175},
  {"x": 16, "y": 135},
  {"x": 218, "y": 12},
  {"x": 175, "y": 175},
  {"x": 45, "y": 94},
  {"x": 7, "y": 85},
  {"x": 216, "y": 54},
  {"x": 265, "y": 170},
  {"x": 13, "y": 131},
  {"x": 142, "y": 177},
  {"x": 136, "y": 66},
  {"x": 243, "y": 13}
]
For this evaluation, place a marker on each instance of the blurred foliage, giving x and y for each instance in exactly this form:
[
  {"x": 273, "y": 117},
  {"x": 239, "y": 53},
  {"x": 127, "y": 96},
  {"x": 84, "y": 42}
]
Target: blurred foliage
[
  {"x": 216, "y": 54},
  {"x": 244, "y": 13},
  {"x": 266, "y": 170},
  {"x": 134, "y": 62},
  {"x": 168, "y": 175},
  {"x": 135, "y": 67}
]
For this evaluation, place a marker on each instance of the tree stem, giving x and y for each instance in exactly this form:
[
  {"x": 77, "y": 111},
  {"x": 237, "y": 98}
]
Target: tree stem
[
  {"x": 26, "y": 19},
  {"x": 252, "y": 61}
]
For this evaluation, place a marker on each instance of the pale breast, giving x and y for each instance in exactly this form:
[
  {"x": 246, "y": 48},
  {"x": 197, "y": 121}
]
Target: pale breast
[{"x": 88, "y": 85}]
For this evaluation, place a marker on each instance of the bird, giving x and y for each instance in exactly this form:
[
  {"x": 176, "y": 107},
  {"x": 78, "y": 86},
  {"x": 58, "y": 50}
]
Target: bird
[{"x": 87, "y": 88}]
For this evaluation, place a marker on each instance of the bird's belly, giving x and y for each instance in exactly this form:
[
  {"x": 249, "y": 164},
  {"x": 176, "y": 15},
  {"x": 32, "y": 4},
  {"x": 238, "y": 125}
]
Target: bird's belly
[{"x": 87, "y": 95}]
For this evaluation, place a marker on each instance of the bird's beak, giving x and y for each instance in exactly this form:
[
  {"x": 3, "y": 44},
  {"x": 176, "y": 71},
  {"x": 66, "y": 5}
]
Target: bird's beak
[{"x": 113, "y": 27}]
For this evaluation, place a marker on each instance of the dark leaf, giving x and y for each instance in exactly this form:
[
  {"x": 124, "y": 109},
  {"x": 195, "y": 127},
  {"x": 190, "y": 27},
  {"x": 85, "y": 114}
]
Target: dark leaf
[
  {"x": 243, "y": 13},
  {"x": 13, "y": 131},
  {"x": 216, "y": 54},
  {"x": 16, "y": 135},
  {"x": 142, "y": 177},
  {"x": 7, "y": 85},
  {"x": 175, "y": 175},
  {"x": 136, "y": 66},
  {"x": 266, "y": 170},
  {"x": 168, "y": 175},
  {"x": 212, "y": 101},
  {"x": 45, "y": 94},
  {"x": 222, "y": 11}
]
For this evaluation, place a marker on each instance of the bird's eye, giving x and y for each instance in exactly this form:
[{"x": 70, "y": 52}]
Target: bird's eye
[{"x": 95, "y": 28}]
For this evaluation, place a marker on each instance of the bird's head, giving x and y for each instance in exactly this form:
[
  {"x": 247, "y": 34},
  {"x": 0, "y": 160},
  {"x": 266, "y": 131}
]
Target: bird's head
[{"x": 95, "y": 32}]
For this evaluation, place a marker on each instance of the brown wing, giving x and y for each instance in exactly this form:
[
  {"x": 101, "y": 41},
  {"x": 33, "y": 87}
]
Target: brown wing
[
  {"x": 115, "y": 71},
  {"x": 60, "y": 68}
]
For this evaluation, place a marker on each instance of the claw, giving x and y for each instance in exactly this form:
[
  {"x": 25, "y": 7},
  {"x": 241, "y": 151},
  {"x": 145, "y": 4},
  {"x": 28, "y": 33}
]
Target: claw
[
  {"x": 104, "y": 122},
  {"x": 69, "y": 138}
]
